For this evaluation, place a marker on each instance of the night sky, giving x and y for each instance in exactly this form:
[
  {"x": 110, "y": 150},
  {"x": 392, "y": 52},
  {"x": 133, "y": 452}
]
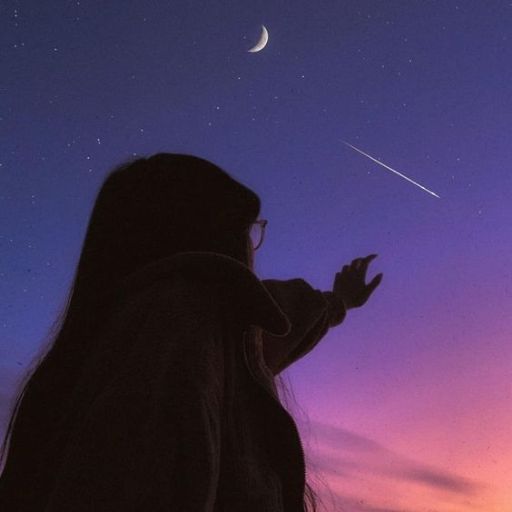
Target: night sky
[{"x": 407, "y": 404}]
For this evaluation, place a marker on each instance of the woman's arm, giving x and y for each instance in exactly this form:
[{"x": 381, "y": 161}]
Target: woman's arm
[{"x": 311, "y": 313}]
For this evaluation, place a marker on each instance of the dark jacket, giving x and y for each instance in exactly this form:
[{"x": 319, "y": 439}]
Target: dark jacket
[{"x": 177, "y": 416}]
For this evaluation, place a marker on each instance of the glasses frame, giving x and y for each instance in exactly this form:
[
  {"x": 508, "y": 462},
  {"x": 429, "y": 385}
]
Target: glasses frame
[{"x": 263, "y": 223}]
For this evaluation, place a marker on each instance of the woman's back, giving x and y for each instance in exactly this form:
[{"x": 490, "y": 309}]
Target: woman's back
[{"x": 164, "y": 390}]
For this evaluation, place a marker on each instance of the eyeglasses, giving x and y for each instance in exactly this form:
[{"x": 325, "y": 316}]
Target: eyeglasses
[{"x": 257, "y": 232}]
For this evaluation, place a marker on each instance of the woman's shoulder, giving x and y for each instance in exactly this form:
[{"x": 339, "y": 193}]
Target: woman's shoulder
[{"x": 193, "y": 282}]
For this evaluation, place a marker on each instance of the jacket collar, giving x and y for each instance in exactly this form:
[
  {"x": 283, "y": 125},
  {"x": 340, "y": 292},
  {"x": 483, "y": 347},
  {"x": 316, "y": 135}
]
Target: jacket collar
[{"x": 241, "y": 289}]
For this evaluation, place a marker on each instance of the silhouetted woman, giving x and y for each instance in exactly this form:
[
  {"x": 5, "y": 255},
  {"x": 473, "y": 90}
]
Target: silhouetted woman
[{"x": 158, "y": 393}]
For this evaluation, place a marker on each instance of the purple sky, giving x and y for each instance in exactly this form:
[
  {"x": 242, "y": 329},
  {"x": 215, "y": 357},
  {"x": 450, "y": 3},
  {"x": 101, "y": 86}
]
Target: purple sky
[{"x": 423, "y": 372}]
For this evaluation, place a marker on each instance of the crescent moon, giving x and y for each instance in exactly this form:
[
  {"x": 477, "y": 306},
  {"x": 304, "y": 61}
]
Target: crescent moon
[{"x": 262, "y": 42}]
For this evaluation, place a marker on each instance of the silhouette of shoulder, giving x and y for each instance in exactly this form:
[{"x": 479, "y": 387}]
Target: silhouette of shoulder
[{"x": 198, "y": 281}]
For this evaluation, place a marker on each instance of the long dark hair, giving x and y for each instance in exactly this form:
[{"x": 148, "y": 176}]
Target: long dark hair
[{"x": 146, "y": 209}]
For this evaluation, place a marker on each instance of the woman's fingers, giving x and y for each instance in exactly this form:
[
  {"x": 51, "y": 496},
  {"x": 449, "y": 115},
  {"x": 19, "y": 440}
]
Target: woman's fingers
[
  {"x": 341, "y": 276},
  {"x": 354, "y": 264},
  {"x": 374, "y": 283},
  {"x": 357, "y": 268},
  {"x": 350, "y": 282},
  {"x": 343, "y": 272},
  {"x": 366, "y": 262},
  {"x": 358, "y": 262}
]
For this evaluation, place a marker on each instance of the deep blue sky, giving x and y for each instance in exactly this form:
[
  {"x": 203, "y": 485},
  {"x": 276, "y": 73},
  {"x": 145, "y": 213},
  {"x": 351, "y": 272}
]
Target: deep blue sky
[{"x": 422, "y": 85}]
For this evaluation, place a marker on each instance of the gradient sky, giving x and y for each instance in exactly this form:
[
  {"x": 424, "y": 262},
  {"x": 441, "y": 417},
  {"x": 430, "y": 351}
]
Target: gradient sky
[{"x": 407, "y": 404}]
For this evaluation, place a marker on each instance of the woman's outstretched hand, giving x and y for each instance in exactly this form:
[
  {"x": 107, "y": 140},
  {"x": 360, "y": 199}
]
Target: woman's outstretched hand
[{"x": 349, "y": 284}]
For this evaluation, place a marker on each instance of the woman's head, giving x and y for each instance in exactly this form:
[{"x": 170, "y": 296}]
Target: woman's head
[{"x": 155, "y": 207}]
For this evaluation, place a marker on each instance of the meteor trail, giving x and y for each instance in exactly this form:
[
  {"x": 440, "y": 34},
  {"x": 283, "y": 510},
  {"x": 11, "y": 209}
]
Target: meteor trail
[{"x": 392, "y": 170}]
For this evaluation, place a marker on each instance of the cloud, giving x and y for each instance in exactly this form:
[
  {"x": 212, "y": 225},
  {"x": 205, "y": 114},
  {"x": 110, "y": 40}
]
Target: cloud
[
  {"x": 351, "y": 504},
  {"x": 354, "y": 473},
  {"x": 342, "y": 438},
  {"x": 373, "y": 457},
  {"x": 333, "y": 464},
  {"x": 441, "y": 480}
]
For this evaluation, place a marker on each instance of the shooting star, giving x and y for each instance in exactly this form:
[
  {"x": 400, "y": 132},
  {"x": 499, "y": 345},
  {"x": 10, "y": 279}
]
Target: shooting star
[{"x": 390, "y": 169}]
